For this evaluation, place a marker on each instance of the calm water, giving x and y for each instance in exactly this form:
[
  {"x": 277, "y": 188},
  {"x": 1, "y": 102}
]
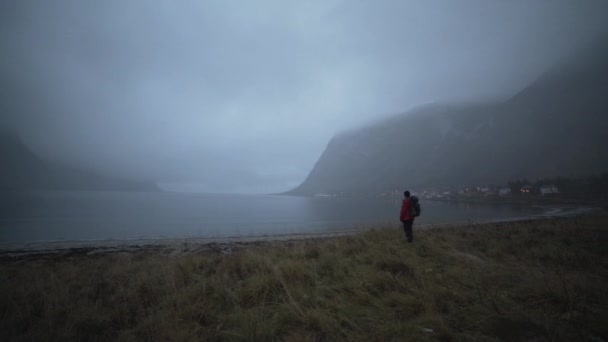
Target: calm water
[{"x": 49, "y": 216}]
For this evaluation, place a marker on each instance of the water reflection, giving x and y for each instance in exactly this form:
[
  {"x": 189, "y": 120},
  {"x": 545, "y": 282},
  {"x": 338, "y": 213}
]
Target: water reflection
[{"x": 115, "y": 215}]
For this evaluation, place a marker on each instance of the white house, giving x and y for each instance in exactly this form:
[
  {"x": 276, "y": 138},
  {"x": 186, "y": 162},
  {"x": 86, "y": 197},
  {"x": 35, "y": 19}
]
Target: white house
[{"x": 548, "y": 190}]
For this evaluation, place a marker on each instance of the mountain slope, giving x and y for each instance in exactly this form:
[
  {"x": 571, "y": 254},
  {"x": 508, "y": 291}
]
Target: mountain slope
[
  {"x": 555, "y": 127},
  {"x": 21, "y": 169}
]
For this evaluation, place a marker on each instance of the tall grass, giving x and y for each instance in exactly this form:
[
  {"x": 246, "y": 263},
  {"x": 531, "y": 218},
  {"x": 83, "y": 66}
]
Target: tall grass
[{"x": 543, "y": 280}]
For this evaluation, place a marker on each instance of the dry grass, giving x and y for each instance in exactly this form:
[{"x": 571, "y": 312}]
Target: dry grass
[{"x": 539, "y": 280}]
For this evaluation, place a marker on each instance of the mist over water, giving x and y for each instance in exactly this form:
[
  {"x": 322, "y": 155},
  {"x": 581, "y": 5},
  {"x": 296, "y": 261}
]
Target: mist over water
[
  {"x": 243, "y": 97},
  {"x": 214, "y": 97},
  {"x": 73, "y": 216}
]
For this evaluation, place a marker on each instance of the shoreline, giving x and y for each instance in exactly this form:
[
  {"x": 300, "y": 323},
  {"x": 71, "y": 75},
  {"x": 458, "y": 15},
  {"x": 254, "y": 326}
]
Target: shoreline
[
  {"x": 225, "y": 245},
  {"x": 536, "y": 201}
]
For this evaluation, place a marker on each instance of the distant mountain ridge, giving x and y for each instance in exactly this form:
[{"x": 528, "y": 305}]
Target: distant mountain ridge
[
  {"x": 557, "y": 126},
  {"x": 21, "y": 169}
]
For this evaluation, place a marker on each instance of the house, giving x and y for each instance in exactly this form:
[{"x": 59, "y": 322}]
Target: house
[
  {"x": 526, "y": 189},
  {"x": 548, "y": 190},
  {"x": 503, "y": 192},
  {"x": 488, "y": 192}
]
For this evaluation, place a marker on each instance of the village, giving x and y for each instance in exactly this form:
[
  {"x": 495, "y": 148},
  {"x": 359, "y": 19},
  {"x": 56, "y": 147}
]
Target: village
[
  {"x": 468, "y": 192},
  {"x": 490, "y": 192},
  {"x": 592, "y": 189}
]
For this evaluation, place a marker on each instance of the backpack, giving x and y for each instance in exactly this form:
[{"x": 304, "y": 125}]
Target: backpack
[{"x": 415, "y": 211}]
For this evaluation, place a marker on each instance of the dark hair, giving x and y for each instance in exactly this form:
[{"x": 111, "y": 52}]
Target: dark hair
[{"x": 406, "y": 193}]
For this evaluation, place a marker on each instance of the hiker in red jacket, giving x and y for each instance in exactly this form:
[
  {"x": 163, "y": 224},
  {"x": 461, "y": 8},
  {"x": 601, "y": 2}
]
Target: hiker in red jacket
[{"x": 406, "y": 216}]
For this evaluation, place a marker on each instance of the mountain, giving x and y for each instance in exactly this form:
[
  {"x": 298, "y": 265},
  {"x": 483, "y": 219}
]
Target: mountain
[
  {"x": 21, "y": 169},
  {"x": 556, "y": 126}
]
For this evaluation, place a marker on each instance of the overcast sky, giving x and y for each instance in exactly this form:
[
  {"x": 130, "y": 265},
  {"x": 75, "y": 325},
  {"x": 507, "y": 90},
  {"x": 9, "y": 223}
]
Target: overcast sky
[{"x": 243, "y": 96}]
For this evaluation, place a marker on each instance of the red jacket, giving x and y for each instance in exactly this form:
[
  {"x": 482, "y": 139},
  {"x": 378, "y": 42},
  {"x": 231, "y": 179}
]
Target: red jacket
[{"x": 406, "y": 208}]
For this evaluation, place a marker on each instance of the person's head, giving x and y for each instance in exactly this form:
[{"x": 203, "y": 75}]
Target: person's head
[{"x": 406, "y": 194}]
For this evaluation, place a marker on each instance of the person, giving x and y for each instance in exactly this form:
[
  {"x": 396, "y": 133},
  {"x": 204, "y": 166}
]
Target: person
[{"x": 406, "y": 217}]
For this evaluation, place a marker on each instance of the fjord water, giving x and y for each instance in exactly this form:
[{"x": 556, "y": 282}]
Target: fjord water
[{"x": 52, "y": 216}]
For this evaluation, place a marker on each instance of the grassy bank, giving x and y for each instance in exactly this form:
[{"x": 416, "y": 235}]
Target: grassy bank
[{"x": 541, "y": 279}]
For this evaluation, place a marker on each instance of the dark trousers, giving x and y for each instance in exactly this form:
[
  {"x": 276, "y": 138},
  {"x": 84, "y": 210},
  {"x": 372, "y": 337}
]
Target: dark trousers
[{"x": 407, "y": 228}]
